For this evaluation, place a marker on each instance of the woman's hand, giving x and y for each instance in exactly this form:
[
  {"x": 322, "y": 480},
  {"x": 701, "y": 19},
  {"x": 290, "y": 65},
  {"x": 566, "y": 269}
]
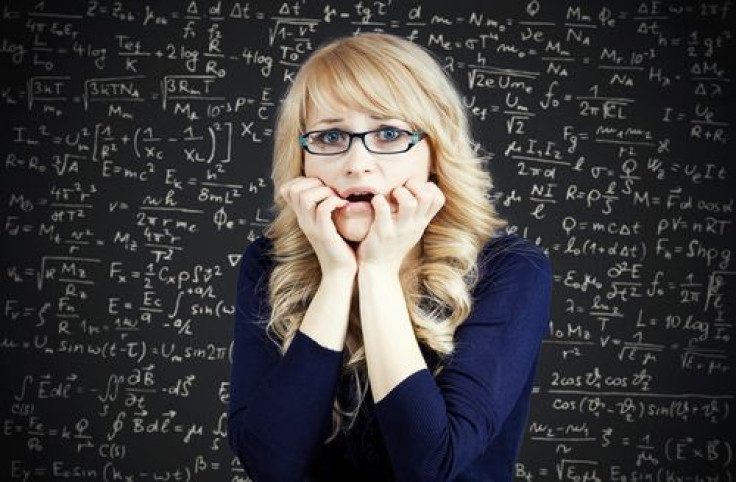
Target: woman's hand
[
  {"x": 392, "y": 235},
  {"x": 313, "y": 202}
]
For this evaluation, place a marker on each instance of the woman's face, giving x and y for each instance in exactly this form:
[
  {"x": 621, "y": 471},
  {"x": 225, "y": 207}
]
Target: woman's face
[{"x": 359, "y": 168}]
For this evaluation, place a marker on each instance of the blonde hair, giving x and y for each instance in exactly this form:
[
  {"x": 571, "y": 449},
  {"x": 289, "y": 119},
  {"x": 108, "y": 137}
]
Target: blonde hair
[{"x": 385, "y": 75}]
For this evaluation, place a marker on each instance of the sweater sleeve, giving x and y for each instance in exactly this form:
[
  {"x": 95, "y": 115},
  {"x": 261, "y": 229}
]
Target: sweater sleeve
[
  {"x": 280, "y": 406},
  {"x": 434, "y": 428}
]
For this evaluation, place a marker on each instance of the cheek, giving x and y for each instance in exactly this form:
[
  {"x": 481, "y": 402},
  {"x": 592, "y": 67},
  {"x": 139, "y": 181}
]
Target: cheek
[
  {"x": 421, "y": 162},
  {"x": 311, "y": 168},
  {"x": 418, "y": 171},
  {"x": 317, "y": 163}
]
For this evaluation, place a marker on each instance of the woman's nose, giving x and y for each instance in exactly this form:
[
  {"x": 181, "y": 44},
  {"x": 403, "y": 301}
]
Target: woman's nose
[{"x": 358, "y": 158}]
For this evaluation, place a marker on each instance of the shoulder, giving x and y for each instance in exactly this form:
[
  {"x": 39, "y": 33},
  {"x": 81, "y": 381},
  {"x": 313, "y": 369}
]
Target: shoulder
[
  {"x": 258, "y": 252},
  {"x": 256, "y": 261},
  {"x": 512, "y": 257}
]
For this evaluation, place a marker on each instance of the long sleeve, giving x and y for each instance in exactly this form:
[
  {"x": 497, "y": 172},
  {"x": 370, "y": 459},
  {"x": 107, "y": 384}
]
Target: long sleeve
[
  {"x": 280, "y": 407},
  {"x": 433, "y": 429}
]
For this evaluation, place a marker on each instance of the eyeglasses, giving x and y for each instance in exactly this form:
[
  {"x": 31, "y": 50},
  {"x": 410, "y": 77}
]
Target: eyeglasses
[{"x": 386, "y": 140}]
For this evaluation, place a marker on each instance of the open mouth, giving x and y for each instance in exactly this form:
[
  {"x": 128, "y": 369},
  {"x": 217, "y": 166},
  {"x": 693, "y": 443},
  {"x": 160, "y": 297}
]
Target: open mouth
[
  {"x": 359, "y": 198},
  {"x": 361, "y": 203},
  {"x": 358, "y": 203}
]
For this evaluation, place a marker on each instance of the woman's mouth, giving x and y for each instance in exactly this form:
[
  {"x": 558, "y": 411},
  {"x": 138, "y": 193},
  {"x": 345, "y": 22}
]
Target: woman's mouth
[
  {"x": 357, "y": 207},
  {"x": 362, "y": 203}
]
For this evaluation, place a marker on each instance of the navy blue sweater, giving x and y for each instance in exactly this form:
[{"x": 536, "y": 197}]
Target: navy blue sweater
[{"x": 464, "y": 425}]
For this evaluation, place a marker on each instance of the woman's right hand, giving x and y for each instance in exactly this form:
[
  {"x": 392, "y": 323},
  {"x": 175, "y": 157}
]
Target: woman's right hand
[{"x": 313, "y": 202}]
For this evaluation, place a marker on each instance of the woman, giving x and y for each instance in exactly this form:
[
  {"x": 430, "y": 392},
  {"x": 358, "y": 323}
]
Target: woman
[{"x": 385, "y": 328}]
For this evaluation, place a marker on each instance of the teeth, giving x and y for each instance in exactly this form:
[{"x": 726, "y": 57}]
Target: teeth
[{"x": 360, "y": 193}]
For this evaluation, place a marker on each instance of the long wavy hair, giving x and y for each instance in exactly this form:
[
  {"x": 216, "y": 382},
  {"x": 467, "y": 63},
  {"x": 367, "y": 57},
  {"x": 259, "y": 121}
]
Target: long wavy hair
[{"x": 385, "y": 75}]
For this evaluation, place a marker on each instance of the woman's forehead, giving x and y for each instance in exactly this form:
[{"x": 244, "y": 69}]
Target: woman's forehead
[
  {"x": 328, "y": 100},
  {"x": 333, "y": 110},
  {"x": 336, "y": 113}
]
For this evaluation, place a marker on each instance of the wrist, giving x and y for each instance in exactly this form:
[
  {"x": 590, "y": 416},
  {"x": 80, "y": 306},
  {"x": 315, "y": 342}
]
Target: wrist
[
  {"x": 377, "y": 270},
  {"x": 339, "y": 276}
]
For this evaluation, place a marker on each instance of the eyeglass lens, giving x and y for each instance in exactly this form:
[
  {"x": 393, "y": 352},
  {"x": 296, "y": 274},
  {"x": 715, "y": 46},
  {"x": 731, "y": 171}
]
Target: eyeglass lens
[{"x": 335, "y": 141}]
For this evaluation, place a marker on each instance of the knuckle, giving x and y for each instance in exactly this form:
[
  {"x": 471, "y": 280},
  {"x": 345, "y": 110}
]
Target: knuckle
[
  {"x": 304, "y": 197},
  {"x": 323, "y": 206}
]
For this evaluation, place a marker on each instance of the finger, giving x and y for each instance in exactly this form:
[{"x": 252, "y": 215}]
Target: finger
[
  {"x": 438, "y": 200},
  {"x": 311, "y": 197},
  {"x": 297, "y": 184},
  {"x": 291, "y": 189},
  {"x": 284, "y": 191},
  {"x": 407, "y": 202},
  {"x": 292, "y": 192},
  {"x": 288, "y": 185},
  {"x": 423, "y": 193},
  {"x": 435, "y": 199},
  {"x": 324, "y": 213},
  {"x": 382, "y": 210}
]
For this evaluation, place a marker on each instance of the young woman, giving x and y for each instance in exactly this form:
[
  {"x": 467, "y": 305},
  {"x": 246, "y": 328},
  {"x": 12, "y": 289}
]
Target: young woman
[{"x": 386, "y": 328}]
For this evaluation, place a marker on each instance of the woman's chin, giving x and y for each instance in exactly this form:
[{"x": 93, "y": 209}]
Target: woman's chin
[{"x": 354, "y": 230}]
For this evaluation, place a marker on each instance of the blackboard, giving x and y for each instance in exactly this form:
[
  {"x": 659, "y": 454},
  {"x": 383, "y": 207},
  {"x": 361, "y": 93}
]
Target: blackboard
[{"x": 136, "y": 141}]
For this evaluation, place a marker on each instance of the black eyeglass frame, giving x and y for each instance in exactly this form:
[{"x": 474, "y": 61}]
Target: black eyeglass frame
[{"x": 416, "y": 137}]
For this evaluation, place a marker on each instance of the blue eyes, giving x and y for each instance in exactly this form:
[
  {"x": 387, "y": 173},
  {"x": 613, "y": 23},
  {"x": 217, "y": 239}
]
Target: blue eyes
[
  {"x": 331, "y": 137},
  {"x": 384, "y": 134},
  {"x": 389, "y": 134},
  {"x": 384, "y": 140}
]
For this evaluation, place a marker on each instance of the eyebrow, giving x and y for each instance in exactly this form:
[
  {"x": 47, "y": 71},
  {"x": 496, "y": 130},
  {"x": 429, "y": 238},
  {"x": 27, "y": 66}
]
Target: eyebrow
[{"x": 336, "y": 120}]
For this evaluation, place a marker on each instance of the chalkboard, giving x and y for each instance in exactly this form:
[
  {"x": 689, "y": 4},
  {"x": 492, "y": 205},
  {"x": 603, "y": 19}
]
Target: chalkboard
[{"x": 136, "y": 141}]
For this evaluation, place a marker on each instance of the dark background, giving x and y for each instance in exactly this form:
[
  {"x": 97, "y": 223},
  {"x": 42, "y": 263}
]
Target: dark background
[{"x": 135, "y": 152}]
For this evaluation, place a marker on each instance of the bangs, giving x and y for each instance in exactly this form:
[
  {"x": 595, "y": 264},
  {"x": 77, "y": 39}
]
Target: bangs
[{"x": 349, "y": 80}]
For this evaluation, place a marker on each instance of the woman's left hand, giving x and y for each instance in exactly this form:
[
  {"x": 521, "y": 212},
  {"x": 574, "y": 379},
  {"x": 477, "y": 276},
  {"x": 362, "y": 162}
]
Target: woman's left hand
[{"x": 392, "y": 235}]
